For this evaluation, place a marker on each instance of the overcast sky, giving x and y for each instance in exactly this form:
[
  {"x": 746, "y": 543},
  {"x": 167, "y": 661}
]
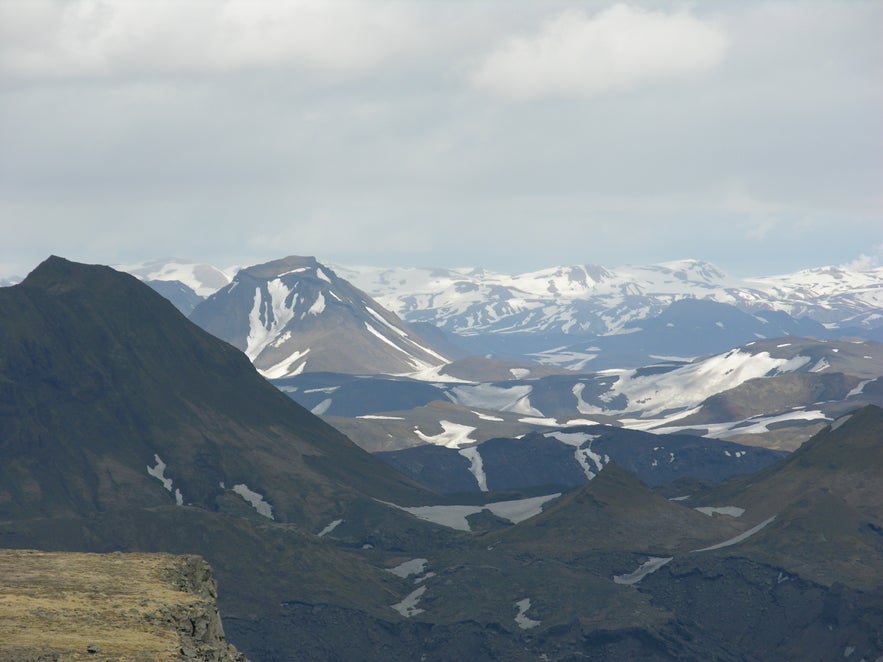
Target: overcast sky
[{"x": 509, "y": 135}]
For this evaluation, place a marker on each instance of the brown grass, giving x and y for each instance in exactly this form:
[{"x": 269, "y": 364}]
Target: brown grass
[{"x": 54, "y": 605}]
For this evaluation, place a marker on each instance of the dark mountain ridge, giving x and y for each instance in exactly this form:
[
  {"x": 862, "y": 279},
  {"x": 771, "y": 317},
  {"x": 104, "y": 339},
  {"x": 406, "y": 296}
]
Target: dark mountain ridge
[{"x": 77, "y": 338}]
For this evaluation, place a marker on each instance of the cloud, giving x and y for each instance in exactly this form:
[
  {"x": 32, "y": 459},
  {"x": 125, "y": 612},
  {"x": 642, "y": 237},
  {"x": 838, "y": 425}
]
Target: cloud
[
  {"x": 105, "y": 38},
  {"x": 575, "y": 54},
  {"x": 866, "y": 262}
]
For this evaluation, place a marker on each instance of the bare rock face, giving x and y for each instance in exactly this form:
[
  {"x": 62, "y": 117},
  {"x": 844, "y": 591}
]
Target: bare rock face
[{"x": 124, "y": 607}]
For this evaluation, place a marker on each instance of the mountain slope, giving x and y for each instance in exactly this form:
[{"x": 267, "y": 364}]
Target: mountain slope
[
  {"x": 295, "y": 314},
  {"x": 828, "y": 503},
  {"x": 174, "y": 414}
]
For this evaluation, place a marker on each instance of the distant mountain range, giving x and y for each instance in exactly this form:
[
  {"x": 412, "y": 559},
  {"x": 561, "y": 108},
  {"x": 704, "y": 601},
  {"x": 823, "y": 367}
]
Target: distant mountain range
[
  {"x": 591, "y": 299},
  {"x": 125, "y": 427},
  {"x": 581, "y": 317},
  {"x": 774, "y": 393}
]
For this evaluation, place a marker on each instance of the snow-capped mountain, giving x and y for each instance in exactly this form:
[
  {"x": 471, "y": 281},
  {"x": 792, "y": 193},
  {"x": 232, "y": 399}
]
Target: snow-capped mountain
[
  {"x": 296, "y": 314},
  {"x": 831, "y": 295},
  {"x": 593, "y": 300},
  {"x": 203, "y": 279}
]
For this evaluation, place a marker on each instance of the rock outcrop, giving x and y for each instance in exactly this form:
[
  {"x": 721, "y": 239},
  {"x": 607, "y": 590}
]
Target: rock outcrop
[{"x": 123, "y": 607}]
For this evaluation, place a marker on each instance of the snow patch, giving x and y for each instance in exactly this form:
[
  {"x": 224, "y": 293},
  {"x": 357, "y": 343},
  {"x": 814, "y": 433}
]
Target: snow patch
[
  {"x": 858, "y": 389},
  {"x": 582, "y": 443},
  {"x": 318, "y": 306},
  {"x": 408, "y": 606},
  {"x": 476, "y": 466},
  {"x": 454, "y": 517},
  {"x": 742, "y": 536},
  {"x": 519, "y": 373},
  {"x": 485, "y": 417},
  {"x": 453, "y": 435},
  {"x": 322, "y": 407},
  {"x": 730, "y": 511},
  {"x": 256, "y": 500},
  {"x": 408, "y": 568},
  {"x": 328, "y": 529},
  {"x": 820, "y": 366},
  {"x": 158, "y": 472},
  {"x": 268, "y": 318},
  {"x": 521, "y": 619},
  {"x": 283, "y": 368},
  {"x": 652, "y": 564}
]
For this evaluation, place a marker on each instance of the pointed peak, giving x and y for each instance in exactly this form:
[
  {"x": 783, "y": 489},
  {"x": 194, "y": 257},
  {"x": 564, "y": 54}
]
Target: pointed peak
[{"x": 57, "y": 274}]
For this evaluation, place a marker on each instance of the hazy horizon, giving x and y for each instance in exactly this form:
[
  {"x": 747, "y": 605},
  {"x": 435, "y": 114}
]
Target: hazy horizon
[{"x": 511, "y": 136}]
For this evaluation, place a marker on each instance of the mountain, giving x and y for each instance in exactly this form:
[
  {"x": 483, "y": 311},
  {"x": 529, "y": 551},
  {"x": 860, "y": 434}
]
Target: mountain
[
  {"x": 571, "y": 457},
  {"x": 521, "y": 314},
  {"x": 201, "y": 279},
  {"x": 831, "y": 295},
  {"x": 775, "y": 393},
  {"x": 686, "y": 329},
  {"x": 174, "y": 414},
  {"x": 115, "y": 409},
  {"x": 295, "y": 314},
  {"x": 181, "y": 296},
  {"x": 585, "y": 299},
  {"x": 125, "y": 427},
  {"x": 825, "y": 496}
]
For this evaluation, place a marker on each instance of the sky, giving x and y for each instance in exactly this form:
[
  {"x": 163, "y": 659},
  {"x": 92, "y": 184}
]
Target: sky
[{"x": 509, "y": 135}]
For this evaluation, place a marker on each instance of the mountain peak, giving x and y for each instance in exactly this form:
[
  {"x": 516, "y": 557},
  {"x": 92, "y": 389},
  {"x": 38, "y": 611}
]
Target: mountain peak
[
  {"x": 57, "y": 274},
  {"x": 282, "y": 266}
]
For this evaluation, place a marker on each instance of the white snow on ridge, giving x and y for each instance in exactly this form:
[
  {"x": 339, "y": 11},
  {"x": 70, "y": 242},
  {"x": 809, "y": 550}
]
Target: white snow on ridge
[
  {"x": 268, "y": 317},
  {"x": 689, "y": 385},
  {"x": 453, "y": 435},
  {"x": 416, "y": 363},
  {"x": 742, "y": 536},
  {"x": 486, "y": 417},
  {"x": 256, "y": 500},
  {"x": 405, "y": 336},
  {"x": 582, "y": 455},
  {"x": 859, "y": 389},
  {"x": 756, "y": 425},
  {"x": 203, "y": 279},
  {"x": 283, "y": 368}
]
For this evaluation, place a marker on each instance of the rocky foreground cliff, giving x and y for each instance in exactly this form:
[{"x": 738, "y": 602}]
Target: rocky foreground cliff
[{"x": 138, "y": 607}]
